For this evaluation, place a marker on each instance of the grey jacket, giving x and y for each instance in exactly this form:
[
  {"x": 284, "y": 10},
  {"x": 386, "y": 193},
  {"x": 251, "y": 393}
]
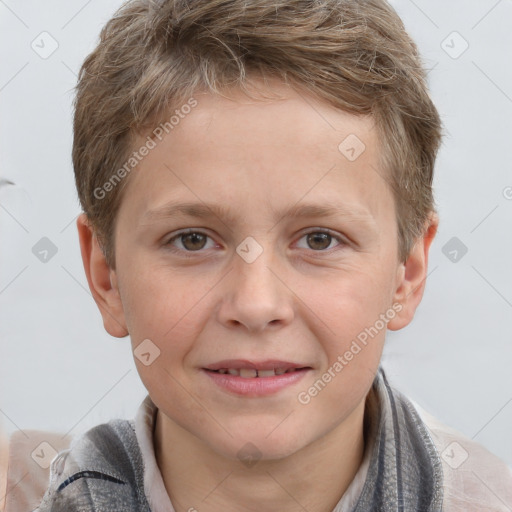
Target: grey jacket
[{"x": 103, "y": 470}]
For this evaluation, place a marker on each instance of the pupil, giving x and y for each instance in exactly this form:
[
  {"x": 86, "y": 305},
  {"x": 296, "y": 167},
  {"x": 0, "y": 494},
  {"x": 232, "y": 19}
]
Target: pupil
[
  {"x": 323, "y": 239},
  {"x": 198, "y": 241}
]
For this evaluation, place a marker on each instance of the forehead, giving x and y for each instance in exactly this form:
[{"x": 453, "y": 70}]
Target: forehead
[
  {"x": 293, "y": 120},
  {"x": 248, "y": 153}
]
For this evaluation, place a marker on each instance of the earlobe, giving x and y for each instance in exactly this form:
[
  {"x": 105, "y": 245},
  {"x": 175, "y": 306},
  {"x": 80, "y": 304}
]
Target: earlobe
[
  {"x": 411, "y": 277},
  {"x": 102, "y": 280}
]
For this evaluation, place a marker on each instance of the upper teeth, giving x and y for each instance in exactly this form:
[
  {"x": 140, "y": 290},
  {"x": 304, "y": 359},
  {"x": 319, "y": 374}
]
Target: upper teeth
[{"x": 249, "y": 373}]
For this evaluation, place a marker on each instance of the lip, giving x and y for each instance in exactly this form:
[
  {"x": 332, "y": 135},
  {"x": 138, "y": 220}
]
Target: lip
[
  {"x": 255, "y": 386},
  {"x": 269, "y": 364}
]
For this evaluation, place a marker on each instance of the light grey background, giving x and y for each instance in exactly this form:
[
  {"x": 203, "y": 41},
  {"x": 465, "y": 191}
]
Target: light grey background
[{"x": 60, "y": 371}]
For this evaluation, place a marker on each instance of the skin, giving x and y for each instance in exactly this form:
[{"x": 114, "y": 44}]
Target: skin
[{"x": 301, "y": 300}]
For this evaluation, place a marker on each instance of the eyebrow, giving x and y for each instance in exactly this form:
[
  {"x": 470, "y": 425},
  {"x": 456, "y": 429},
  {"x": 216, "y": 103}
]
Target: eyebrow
[{"x": 201, "y": 210}]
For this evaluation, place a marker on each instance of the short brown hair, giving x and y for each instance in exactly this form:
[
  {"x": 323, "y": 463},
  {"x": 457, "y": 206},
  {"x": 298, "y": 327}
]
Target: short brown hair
[{"x": 153, "y": 55}]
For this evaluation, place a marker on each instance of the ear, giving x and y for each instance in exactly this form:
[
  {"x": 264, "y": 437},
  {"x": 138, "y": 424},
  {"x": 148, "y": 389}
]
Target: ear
[
  {"x": 411, "y": 277},
  {"x": 102, "y": 280}
]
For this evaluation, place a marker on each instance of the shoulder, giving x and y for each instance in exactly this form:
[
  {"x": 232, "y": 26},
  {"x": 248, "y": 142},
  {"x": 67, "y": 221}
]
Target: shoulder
[
  {"x": 474, "y": 478},
  {"x": 25, "y": 457},
  {"x": 102, "y": 469}
]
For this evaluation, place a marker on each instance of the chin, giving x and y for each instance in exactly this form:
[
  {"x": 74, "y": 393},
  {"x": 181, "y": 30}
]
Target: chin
[{"x": 260, "y": 444}]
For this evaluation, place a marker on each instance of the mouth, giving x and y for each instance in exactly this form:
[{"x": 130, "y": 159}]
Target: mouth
[
  {"x": 251, "y": 373},
  {"x": 252, "y": 369},
  {"x": 252, "y": 378}
]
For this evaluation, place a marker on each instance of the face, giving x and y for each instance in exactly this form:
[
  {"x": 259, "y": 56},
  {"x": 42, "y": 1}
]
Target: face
[{"x": 259, "y": 258}]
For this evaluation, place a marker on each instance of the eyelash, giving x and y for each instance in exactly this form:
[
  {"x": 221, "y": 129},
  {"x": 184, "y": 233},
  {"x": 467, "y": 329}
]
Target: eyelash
[{"x": 190, "y": 254}]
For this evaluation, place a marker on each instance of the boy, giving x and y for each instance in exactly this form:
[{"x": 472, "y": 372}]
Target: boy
[{"x": 256, "y": 180}]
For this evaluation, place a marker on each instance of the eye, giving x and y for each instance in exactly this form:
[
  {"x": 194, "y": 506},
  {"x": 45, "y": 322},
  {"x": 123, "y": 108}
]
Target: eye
[
  {"x": 189, "y": 241},
  {"x": 194, "y": 241},
  {"x": 320, "y": 240}
]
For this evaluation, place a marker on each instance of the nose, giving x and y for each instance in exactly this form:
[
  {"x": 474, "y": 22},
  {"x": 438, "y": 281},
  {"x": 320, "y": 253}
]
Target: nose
[{"x": 255, "y": 296}]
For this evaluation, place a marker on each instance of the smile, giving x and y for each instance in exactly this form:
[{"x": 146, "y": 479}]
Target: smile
[
  {"x": 253, "y": 379},
  {"x": 250, "y": 373}
]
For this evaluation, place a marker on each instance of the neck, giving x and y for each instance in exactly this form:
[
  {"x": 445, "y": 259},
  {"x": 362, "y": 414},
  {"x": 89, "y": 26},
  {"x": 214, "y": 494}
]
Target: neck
[{"x": 314, "y": 478}]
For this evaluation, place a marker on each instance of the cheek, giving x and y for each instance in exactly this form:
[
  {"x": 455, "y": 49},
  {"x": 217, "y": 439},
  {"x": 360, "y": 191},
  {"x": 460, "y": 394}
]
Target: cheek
[
  {"x": 161, "y": 304},
  {"x": 354, "y": 308},
  {"x": 352, "y": 345},
  {"x": 165, "y": 309},
  {"x": 352, "y": 299}
]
